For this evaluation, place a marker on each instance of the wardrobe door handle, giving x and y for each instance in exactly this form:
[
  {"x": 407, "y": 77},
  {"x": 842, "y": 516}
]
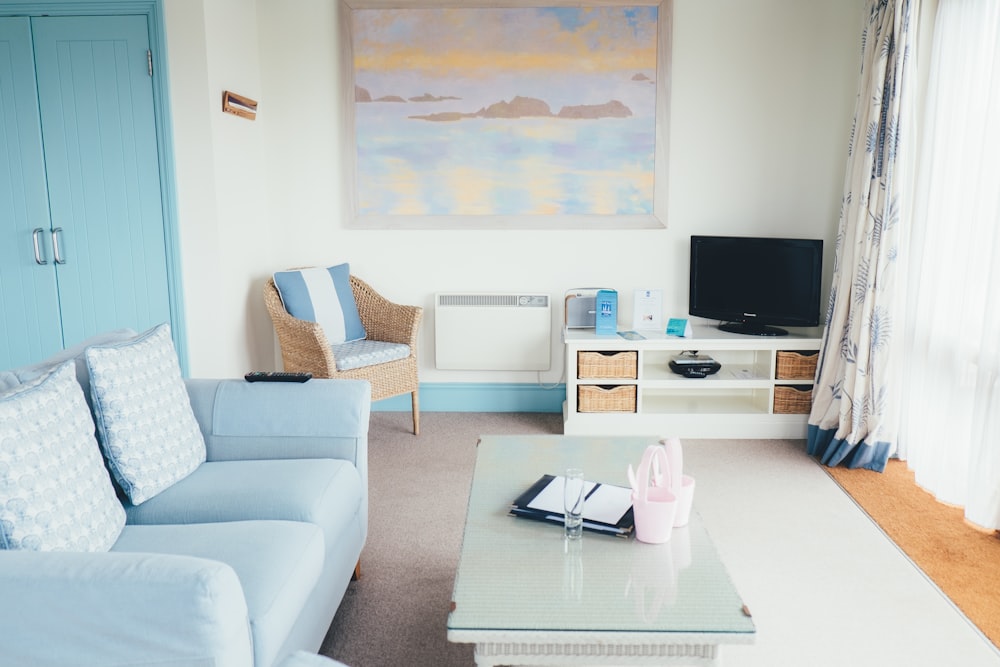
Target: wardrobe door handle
[
  {"x": 38, "y": 246},
  {"x": 55, "y": 246}
]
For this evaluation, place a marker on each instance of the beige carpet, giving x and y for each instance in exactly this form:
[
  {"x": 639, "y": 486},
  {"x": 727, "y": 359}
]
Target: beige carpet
[{"x": 963, "y": 560}]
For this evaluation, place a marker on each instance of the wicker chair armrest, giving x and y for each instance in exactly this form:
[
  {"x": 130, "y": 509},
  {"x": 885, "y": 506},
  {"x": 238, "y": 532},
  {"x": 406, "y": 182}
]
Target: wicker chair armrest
[
  {"x": 385, "y": 320},
  {"x": 304, "y": 346}
]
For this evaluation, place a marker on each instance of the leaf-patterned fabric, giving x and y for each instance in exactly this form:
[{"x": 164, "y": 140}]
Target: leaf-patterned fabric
[{"x": 854, "y": 418}]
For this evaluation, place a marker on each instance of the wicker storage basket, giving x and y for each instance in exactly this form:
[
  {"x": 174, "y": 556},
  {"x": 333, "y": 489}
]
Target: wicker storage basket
[
  {"x": 604, "y": 398},
  {"x": 796, "y": 365},
  {"x": 792, "y": 400},
  {"x": 619, "y": 365}
]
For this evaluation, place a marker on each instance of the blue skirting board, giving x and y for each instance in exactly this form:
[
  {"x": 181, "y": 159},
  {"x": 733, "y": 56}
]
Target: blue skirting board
[{"x": 479, "y": 397}]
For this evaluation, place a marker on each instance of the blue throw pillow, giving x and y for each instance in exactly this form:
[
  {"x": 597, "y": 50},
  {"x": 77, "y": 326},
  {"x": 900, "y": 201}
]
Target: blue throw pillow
[{"x": 323, "y": 296}]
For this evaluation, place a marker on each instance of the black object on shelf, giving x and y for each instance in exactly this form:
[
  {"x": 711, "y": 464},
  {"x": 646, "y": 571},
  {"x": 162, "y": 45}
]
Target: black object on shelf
[
  {"x": 694, "y": 365},
  {"x": 276, "y": 376}
]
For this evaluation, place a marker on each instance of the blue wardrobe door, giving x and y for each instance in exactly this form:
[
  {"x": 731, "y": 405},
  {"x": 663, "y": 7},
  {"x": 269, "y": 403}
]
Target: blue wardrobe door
[
  {"x": 96, "y": 100},
  {"x": 29, "y": 305}
]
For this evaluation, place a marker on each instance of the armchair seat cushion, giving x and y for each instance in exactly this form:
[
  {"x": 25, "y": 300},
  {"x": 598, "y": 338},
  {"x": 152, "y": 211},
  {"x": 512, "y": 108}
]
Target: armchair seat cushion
[
  {"x": 278, "y": 564},
  {"x": 361, "y": 353}
]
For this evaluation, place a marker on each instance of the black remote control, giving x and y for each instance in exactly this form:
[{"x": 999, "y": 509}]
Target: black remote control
[{"x": 276, "y": 376}]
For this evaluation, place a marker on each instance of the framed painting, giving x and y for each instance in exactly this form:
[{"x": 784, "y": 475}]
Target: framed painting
[{"x": 529, "y": 116}]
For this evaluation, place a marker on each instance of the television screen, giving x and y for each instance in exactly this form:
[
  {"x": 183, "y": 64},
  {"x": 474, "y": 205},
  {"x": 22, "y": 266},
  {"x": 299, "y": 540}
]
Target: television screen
[{"x": 751, "y": 284}]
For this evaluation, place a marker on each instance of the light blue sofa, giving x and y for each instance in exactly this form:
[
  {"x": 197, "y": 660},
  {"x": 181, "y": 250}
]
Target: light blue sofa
[{"x": 242, "y": 563}]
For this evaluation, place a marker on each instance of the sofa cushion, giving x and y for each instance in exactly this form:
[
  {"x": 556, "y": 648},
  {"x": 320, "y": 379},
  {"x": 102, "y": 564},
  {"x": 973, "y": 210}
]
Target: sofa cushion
[
  {"x": 55, "y": 493},
  {"x": 326, "y": 492},
  {"x": 144, "y": 418},
  {"x": 278, "y": 564},
  {"x": 323, "y": 296},
  {"x": 361, "y": 353}
]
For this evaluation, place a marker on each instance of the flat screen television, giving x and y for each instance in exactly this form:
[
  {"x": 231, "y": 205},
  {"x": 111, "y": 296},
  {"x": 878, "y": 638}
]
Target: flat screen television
[{"x": 755, "y": 285}]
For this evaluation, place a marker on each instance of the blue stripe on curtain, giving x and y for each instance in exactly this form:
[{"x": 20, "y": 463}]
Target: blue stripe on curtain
[{"x": 833, "y": 451}]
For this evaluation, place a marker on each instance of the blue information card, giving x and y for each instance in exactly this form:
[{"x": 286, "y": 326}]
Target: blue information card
[
  {"x": 677, "y": 326},
  {"x": 606, "y": 312}
]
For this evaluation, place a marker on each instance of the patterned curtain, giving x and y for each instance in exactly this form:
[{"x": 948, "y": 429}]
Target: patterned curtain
[{"x": 854, "y": 418}]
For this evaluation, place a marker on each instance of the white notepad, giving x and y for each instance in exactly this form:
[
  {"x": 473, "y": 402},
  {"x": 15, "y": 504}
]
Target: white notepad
[{"x": 604, "y": 502}]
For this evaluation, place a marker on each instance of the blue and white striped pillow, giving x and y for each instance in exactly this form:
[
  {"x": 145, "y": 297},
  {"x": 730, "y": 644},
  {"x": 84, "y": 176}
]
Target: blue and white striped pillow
[{"x": 323, "y": 296}]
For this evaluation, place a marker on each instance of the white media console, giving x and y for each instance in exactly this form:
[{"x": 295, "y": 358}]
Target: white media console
[{"x": 619, "y": 386}]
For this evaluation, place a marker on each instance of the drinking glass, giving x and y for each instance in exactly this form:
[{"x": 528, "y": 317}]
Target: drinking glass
[{"x": 573, "y": 503}]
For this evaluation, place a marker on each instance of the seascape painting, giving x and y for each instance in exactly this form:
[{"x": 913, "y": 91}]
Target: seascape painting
[{"x": 543, "y": 111}]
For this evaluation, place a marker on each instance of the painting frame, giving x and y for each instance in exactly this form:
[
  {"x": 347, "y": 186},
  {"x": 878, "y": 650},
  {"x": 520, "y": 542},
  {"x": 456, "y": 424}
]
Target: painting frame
[{"x": 355, "y": 219}]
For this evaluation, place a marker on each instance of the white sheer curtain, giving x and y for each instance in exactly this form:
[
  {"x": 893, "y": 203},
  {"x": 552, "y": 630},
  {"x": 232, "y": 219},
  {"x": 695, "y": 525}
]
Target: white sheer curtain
[{"x": 950, "y": 432}]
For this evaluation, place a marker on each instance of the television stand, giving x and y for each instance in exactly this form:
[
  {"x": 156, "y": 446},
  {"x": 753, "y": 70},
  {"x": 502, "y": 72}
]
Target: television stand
[
  {"x": 616, "y": 386},
  {"x": 750, "y": 329}
]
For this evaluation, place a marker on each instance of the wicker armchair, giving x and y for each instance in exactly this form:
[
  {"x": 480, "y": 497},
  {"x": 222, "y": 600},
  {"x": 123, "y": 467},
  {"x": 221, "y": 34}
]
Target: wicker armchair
[{"x": 304, "y": 346}]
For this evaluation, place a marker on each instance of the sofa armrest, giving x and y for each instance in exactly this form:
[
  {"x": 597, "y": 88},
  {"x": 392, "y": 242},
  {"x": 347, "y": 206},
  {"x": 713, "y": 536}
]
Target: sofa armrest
[
  {"x": 117, "y": 609},
  {"x": 326, "y": 419}
]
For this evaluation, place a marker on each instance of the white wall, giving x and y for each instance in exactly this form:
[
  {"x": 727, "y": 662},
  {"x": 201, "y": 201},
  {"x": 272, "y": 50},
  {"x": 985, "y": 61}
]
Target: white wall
[
  {"x": 762, "y": 97},
  {"x": 222, "y": 188}
]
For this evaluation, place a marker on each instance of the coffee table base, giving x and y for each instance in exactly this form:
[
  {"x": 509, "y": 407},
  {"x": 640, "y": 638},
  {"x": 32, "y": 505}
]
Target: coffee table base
[{"x": 539, "y": 648}]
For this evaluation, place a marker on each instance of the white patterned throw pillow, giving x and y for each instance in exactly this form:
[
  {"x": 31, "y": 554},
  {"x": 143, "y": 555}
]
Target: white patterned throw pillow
[
  {"x": 144, "y": 418},
  {"x": 55, "y": 493}
]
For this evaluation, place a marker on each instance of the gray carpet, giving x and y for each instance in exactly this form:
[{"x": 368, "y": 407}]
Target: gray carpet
[{"x": 397, "y": 612}]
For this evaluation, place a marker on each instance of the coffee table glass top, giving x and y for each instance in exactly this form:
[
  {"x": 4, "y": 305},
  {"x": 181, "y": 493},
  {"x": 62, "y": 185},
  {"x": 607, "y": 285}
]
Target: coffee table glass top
[{"x": 521, "y": 575}]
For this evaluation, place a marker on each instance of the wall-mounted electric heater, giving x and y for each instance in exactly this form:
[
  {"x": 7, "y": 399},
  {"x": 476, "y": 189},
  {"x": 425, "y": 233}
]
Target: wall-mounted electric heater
[{"x": 492, "y": 332}]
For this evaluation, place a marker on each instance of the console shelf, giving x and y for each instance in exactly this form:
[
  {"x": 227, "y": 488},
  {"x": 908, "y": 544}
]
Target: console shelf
[{"x": 736, "y": 402}]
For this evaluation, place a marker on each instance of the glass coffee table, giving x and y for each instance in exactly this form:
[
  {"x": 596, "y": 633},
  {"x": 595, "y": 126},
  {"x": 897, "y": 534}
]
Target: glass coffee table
[{"x": 526, "y": 596}]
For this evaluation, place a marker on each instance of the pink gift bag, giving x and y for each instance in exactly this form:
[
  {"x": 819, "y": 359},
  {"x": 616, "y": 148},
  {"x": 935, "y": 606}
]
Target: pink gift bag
[
  {"x": 654, "y": 507},
  {"x": 680, "y": 484}
]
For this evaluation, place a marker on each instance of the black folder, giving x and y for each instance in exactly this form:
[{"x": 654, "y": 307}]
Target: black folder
[{"x": 623, "y": 527}]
